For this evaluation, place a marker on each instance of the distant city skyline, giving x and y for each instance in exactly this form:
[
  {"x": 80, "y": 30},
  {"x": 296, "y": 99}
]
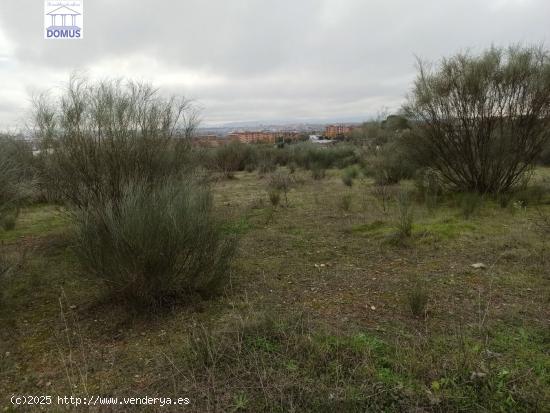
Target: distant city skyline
[{"x": 312, "y": 61}]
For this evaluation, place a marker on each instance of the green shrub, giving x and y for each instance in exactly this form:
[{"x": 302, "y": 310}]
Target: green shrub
[
  {"x": 345, "y": 202},
  {"x": 97, "y": 138},
  {"x": 9, "y": 220},
  {"x": 347, "y": 180},
  {"x": 405, "y": 215},
  {"x": 392, "y": 164},
  {"x": 417, "y": 298},
  {"x": 281, "y": 181},
  {"x": 456, "y": 128},
  {"x": 429, "y": 184},
  {"x": 267, "y": 166},
  {"x": 350, "y": 173},
  {"x": 308, "y": 155},
  {"x": 233, "y": 157},
  {"x": 155, "y": 244},
  {"x": 318, "y": 172},
  {"x": 16, "y": 180},
  {"x": 274, "y": 197}
]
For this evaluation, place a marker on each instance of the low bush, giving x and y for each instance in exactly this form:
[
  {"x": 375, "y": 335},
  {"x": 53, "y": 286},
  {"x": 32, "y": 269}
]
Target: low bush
[
  {"x": 429, "y": 185},
  {"x": 350, "y": 173},
  {"x": 233, "y": 157},
  {"x": 392, "y": 162},
  {"x": 345, "y": 202},
  {"x": 16, "y": 180},
  {"x": 280, "y": 181},
  {"x": 318, "y": 172},
  {"x": 309, "y": 156},
  {"x": 266, "y": 166},
  {"x": 405, "y": 215},
  {"x": 417, "y": 298},
  {"x": 274, "y": 197},
  {"x": 9, "y": 220},
  {"x": 156, "y": 244}
]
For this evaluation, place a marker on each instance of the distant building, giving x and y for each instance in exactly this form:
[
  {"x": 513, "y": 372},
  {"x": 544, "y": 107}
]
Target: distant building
[
  {"x": 263, "y": 136},
  {"x": 209, "y": 141},
  {"x": 338, "y": 131}
]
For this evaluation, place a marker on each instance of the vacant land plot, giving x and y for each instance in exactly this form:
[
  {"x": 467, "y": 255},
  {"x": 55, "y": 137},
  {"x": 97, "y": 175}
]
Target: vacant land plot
[{"x": 327, "y": 309}]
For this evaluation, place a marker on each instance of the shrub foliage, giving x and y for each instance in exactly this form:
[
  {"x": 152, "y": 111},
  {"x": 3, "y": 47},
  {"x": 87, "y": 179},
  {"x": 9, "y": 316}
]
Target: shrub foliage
[
  {"x": 98, "y": 137},
  {"x": 155, "y": 244},
  {"x": 482, "y": 120}
]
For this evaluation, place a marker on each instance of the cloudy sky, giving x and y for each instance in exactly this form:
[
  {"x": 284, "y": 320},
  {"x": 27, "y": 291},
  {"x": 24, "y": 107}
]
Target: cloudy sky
[{"x": 258, "y": 60}]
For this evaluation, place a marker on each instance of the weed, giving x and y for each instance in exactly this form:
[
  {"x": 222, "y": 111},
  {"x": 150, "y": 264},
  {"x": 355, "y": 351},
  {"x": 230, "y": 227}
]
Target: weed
[
  {"x": 350, "y": 173},
  {"x": 9, "y": 220},
  {"x": 274, "y": 197},
  {"x": 345, "y": 202},
  {"x": 429, "y": 183},
  {"x": 318, "y": 172},
  {"x": 280, "y": 181},
  {"x": 417, "y": 298},
  {"x": 405, "y": 215}
]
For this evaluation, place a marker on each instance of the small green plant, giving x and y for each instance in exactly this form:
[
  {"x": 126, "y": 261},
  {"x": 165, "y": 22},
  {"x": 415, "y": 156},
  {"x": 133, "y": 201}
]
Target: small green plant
[
  {"x": 281, "y": 182},
  {"x": 405, "y": 215},
  {"x": 345, "y": 202},
  {"x": 274, "y": 197},
  {"x": 240, "y": 402},
  {"x": 317, "y": 172},
  {"x": 292, "y": 166},
  {"x": 429, "y": 184},
  {"x": 417, "y": 298},
  {"x": 347, "y": 180},
  {"x": 350, "y": 173},
  {"x": 9, "y": 220}
]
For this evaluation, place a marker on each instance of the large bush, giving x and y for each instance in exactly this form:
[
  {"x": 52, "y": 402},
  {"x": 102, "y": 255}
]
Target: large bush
[
  {"x": 100, "y": 136},
  {"x": 16, "y": 178},
  {"x": 310, "y": 156},
  {"x": 233, "y": 157},
  {"x": 392, "y": 163},
  {"x": 482, "y": 120},
  {"x": 155, "y": 244}
]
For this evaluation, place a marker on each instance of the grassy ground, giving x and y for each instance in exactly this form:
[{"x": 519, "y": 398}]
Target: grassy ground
[{"x": 317, "y": 316}]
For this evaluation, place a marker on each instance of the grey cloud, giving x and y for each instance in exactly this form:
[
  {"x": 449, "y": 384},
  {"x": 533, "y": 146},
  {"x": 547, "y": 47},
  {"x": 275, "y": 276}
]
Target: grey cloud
[{"x": 277, "y": 58}]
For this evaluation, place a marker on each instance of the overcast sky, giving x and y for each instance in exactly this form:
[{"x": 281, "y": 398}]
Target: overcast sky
[{"x": 259, "y": 60}]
